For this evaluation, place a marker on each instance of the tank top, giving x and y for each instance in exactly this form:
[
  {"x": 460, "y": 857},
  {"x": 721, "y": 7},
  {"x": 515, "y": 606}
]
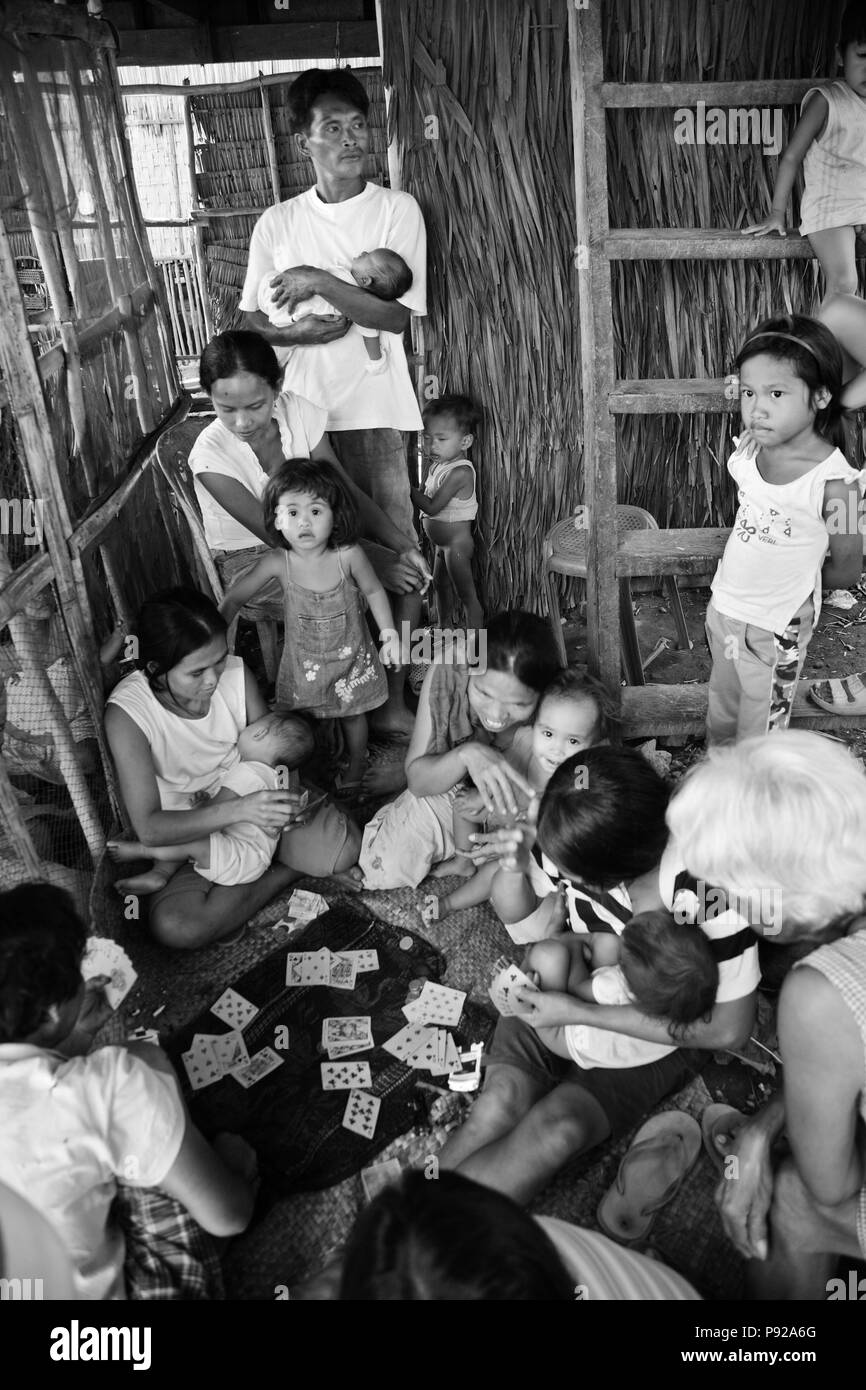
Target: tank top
[
  {"x": 458, "y": 509},
  {"x": 190, "y": 756},
  {"x": 834, "y": 167}
]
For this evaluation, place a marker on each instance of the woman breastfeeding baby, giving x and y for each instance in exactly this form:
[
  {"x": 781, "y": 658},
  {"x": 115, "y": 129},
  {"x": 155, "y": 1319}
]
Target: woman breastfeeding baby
[{"x": 198, "y": 757}]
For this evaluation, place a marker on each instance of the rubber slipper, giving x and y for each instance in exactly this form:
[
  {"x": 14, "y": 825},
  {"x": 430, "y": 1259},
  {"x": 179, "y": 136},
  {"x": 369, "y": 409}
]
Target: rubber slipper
[
  {"x": 650, "y": 1174},
  {"x": 846, "y": 695},
  {"x": 719, "y": 1125}
]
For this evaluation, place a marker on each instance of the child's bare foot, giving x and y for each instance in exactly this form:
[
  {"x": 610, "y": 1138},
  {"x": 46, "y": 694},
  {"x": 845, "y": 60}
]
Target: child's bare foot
[
  {"x": 149, "y": 882},
  {"x": 127, "y": 851},
  {"x": 458, "y": 865}
]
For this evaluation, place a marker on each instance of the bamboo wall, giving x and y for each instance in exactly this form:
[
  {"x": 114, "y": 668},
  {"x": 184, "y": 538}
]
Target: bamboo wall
[{"x": 86, "y": 529}]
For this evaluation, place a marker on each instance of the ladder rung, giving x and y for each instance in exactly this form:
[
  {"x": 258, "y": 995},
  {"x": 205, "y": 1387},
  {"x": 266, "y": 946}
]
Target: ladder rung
[
  {"x": 667, "y": 396},
  {"x": 783, "y": 92},
  {"x": 702, "y": 243},
  {"x": 682, "y": 709}
]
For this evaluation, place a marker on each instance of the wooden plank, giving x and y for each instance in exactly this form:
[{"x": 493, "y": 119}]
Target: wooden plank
[
  {"x": 682, "y": 550},
  {"x": 270, "y": 143},
  {"x": 54, "y": 21},
  {"x": 785, "y": 92},
  {"x": 246, "y": 43},
  {"x": 26, "y": 582},
  {"x": 649, "y": 710},
  {"x": 596, "y": 338},
  {"x": 668, "y": 396},
  {"x": 213, "y": 214},
  {"x": 203, "y": 89},
  {"x": 702, "y": 243}
]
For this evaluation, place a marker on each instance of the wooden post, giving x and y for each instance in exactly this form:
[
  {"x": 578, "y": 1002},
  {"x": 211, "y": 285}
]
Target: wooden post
[
  {"x": 201, "y": 271},
  {"x": 596, "y": 340},
  {"x": 28, "y": 404},
  {"x": 270, "y": 143}
]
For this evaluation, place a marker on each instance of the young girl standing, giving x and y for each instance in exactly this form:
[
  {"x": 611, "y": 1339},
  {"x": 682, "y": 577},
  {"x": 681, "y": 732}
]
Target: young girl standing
[
  {"x": 329, "y": 665},
  {"x": 449, "y": 501},
  {"x": 830, "y": 143},
  {"x": 797, "y": 495}
]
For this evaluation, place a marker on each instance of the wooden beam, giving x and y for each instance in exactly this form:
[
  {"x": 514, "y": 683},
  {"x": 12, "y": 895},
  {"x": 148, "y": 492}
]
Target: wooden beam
[
  {"x": 787, "y": 92},
  {"x": 702, "y": 244},
  {"x": 596, "y": 339},
  {"x": 247, "y": 43},
  {"x": 193, "y": 9},
  {"x": 657, "y": 710},
  {"x": 204, "y": 89},
  {"x": 54, "y": 21},
  {"x": 26, "y": 582},
  {"x": 682, "y": 550}
]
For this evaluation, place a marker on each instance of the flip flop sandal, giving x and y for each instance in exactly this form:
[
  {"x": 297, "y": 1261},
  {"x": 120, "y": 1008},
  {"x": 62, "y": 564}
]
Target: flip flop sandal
[
  {"x": 847, "y": 695},
  {"x": 650, "y": 1174},
  {"x": 719, "y": 1125}
]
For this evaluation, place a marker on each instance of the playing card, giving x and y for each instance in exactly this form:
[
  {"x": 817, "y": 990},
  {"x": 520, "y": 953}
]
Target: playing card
[
  {"x": 233, "y": 1009},
  {"x": 257, "y": 1067},
  {"x": 380, "y": 1175},
  {"x": 343, "y": 972},
  {"x": 364, "y": 960},
  {"x": 452, "y": 1054},
  {"x": 404, "y": 1043},
  {"x": 230, "y": 1050},
  {"x": 361, "y": 1113},
  {"x": 316, "y": 967},
  {"x": 105, "y": 957},
  {"x": 346, "y": 1030},
  {"x": 202, "y": 1068},
  {"x": 345, "y": 1076},
  {"x": 503, "y": 985},
  {"x": 436, "y": 1004}
]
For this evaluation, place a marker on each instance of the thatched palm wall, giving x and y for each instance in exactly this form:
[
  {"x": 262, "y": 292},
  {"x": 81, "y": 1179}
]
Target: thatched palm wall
[{"x": 496, "y": 187}]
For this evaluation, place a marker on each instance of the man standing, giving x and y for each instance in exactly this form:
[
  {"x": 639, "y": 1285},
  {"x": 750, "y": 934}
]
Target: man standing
[{"x": 328, "y": 226}]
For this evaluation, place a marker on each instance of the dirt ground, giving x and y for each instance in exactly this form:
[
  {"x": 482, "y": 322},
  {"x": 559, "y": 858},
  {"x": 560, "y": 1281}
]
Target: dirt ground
[{"x": 837, "y": 648}]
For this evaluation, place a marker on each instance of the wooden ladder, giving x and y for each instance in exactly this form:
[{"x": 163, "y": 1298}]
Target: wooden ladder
[{"x": 649, "y": 709}]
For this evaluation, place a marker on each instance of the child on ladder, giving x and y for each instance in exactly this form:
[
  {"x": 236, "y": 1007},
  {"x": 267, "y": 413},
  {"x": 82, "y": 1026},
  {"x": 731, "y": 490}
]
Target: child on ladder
[
  {"x": 830, "y": 143},
  {"x": 798, "y": 499},
  {"x": 449, "y": 501},
  {"x": 329, "y": 665}
]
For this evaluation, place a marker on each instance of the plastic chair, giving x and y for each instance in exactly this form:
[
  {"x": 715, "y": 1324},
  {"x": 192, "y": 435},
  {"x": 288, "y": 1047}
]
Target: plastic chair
[
  {"x": 172, "y": 455},
  {"x": 564, "y": 552}
]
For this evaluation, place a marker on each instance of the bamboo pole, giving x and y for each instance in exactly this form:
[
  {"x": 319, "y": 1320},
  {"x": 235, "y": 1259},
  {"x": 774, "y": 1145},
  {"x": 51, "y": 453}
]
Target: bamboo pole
[
  {"x": 26, "y": 583},
  {"x": 25, "y": 395},
  {"x": 183, "y": 307},
  {"x": 169, "y": 299},
  {"x": 15, "y": 826},
  {"x": 201, "y": 271},
  {"x": 270, "y": 143}
]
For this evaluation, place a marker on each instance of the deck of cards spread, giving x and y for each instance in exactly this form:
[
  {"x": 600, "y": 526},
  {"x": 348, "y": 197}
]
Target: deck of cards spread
[
  {"x": 436, "y": 1004},
  {"x": 337, "y": 969},
  {"x": 506, "y": 979},
  {"x": 105, "y": 957},
  {"x": 424, "y": 1048}
]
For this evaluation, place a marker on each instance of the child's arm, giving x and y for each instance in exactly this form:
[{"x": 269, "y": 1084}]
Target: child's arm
[
  {"x": 239, "y": 593},
  {"x": 459, "y": 480},
  {"x": 370, "y": 585},
  {"x": 843, "y": 510},
  {"x": 729, "y": 1025},
  {"x": 810, "y": 126}
]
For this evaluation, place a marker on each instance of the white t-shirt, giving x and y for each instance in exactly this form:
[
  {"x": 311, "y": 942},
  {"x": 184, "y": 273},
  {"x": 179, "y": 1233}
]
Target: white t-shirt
[
  {"x": 73, "y": 1127},
  {"x": 217, "y": 450},
  {"x": 306, "y": 231},
  {"x": 599, "y": 1047},
  {"x": 610, "y": 1273},
  {"x": 772, "y": 561},
  {"x": 190, "y": 756}
]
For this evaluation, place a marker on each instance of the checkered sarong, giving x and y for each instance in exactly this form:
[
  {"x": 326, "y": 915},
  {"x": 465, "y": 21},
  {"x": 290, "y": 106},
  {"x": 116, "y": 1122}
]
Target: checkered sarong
[
  {"x": 168, "y": 1255},
  {"x": 843, "y": 963}
]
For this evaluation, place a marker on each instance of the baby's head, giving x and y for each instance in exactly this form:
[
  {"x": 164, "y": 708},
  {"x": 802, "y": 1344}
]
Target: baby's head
[
  {"x": 669, "y": 968},
  {"x": 450, "y": 426},
  {"x": 306, "y": 502},
  {"x": 42, "y": 943},
  {"x": 779, "y": 823},
  {"x": 276, "y": 740},
  {"x": 602, "y": 817},
  {"x": 851, "y": 49},
  {"x": 575, "y": 711},
  {"x": 382, "y": 272}
]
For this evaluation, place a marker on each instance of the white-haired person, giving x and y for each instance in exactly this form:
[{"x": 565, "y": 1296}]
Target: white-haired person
[{"x": 785, "y": 817}]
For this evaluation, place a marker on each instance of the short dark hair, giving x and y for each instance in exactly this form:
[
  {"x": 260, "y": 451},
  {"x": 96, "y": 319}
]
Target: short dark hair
[
  {"x": 521, "y": 644},
  {"x": 395, "y": 278},
  {"x": 229, "y": 354},
  {"x": 602, "y": 816},
  {"x": 853, "y": 27},
  {"x": 309, "y": 86},
  {"x": 573, "y": 684},
  {"x": 314, "y": 478},
  {"x": 172, "y": 624},
  {"x": 460, "y": 409},
  {"x": 42, "y": 942},
  {"x": 669, "y": 968},
  {"x": 450, "y": 1240}
]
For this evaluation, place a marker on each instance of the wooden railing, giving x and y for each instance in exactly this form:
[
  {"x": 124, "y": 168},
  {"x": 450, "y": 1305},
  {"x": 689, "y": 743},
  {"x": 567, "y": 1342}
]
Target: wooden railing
[{"x": 184, "y": 294}]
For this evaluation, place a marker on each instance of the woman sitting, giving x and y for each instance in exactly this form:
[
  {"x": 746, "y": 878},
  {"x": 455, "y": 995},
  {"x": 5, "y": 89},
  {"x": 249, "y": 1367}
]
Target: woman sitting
[{"x": 173, "y": 727}]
